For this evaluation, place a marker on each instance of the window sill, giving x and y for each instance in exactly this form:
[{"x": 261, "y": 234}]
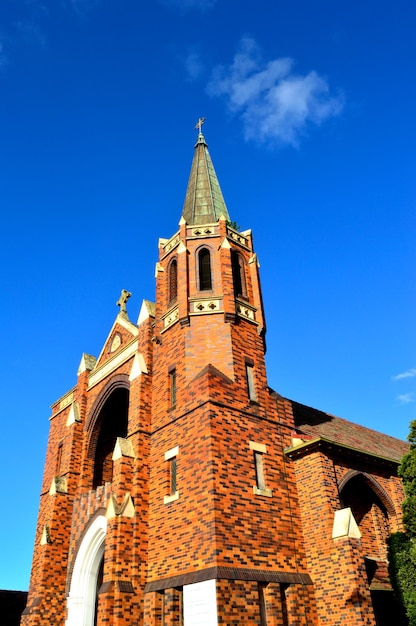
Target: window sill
[
  {"x": 267, "y": 493},
  {"x": 172, "y": 498}
]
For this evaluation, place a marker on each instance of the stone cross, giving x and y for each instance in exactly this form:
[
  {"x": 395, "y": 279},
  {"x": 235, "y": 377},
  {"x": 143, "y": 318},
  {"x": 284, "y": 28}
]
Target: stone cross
[{"x": 122, "y": 301}]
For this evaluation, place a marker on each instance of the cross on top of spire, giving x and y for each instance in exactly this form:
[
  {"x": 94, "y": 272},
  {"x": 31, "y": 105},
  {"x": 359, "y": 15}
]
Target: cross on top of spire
[{"x": 198, "y": 125}]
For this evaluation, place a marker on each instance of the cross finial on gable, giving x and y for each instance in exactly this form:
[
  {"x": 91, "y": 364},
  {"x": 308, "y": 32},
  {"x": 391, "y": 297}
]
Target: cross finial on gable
[{"x": 122, "y": 302}]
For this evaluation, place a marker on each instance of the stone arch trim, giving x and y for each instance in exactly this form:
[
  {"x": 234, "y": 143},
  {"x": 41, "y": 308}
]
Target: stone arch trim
[
  {"x": 204, "y": 244},
  {"x": 374, "y": 485},
  {"x": 119, "y": 381},
  {"x": 82, "y": 589},
  {"x": 100, "y": 512}
]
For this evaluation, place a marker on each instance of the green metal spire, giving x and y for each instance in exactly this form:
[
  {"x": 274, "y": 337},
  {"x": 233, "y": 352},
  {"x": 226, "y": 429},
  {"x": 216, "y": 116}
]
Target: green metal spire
[{"x": 204, "y": 202}]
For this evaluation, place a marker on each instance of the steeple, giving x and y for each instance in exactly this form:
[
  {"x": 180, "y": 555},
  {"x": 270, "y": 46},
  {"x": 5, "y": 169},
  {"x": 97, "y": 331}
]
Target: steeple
[{"x": 204, "y": 202}]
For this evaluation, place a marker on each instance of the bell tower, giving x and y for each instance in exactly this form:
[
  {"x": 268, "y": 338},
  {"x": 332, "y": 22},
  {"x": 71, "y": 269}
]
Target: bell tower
[
  {"x": 166, "y": 491},
  {"x": 209, "y": 308},
  {"x": 215, "y": 496}
]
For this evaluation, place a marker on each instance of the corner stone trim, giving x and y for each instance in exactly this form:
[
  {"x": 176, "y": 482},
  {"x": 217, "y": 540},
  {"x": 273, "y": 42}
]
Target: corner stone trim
[
  {"x": 170, "y": 318},
  {"x": 246, "y": 311}
]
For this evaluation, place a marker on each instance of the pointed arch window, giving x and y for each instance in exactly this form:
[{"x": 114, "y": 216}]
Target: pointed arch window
[
  {"x": 239, "y": 275},
  {"x": 173, "y": 281},
  {"x": 112, "y": 422},
  {"x": 204, "y": 267}
]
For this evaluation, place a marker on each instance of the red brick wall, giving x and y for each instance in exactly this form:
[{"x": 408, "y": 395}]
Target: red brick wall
[
  {"x": 337, "y": 566},
  {"x": 217, "y": 520}
]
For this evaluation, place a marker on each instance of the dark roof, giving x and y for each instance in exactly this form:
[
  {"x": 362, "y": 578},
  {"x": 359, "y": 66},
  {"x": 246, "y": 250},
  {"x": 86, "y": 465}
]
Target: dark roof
[
  {"x": 12, "y": 604},
  {"x": 315, "y": 423}
]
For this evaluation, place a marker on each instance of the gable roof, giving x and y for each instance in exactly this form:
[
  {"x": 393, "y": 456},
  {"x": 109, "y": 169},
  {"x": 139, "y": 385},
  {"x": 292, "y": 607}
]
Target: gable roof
[{"x": 318, "y": 424}]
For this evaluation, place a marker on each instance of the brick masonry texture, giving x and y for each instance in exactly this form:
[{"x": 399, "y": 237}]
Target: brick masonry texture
[{"x": 271, "y": 552}]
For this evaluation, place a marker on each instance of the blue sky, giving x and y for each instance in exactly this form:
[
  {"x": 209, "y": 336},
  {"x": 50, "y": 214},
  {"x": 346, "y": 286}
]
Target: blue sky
[{"x": 310, "y": 110}]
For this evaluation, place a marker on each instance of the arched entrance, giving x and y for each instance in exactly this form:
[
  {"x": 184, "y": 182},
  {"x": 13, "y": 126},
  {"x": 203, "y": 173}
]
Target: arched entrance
[
  {"x": 372, "y": 509},
  {"x": 86, "y": 575},
  {"x": 363, "y": 495}
]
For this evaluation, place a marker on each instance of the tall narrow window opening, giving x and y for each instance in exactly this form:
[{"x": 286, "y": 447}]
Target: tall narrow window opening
[
  {"x": 173, "y": 482},
  {"x": 239, "y": 277},
  {"x": 258, "y": 464},
  {"x": 59, "y": 459},
  {"x": 251, "y": 389},
  {"x": 204, "y": 267},
  {"x": 172, "y": 467},
  {"x": 173, "y": 281},
  {"x": 172, "y": 387},
  {"x": 259, "y": 451}
]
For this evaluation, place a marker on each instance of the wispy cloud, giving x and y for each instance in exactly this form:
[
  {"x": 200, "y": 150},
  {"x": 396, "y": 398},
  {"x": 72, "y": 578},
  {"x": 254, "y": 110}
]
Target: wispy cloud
[
  {"x": 30, "y": 33},
  {"x": 3, "y": 57},
  {"x": 194, "y": 65},
  {"x": 83, "y": 6},
  {"x": 407, "y": 374},
  {"x": 276, "y": 104},
  {"x": 187, "y": 5},
  {"x": 28, "y": 25},
  {"x": 407, "y": 398}
]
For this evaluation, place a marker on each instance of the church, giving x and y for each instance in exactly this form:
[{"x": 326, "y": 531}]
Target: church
[{"x": 180, "y": 489}]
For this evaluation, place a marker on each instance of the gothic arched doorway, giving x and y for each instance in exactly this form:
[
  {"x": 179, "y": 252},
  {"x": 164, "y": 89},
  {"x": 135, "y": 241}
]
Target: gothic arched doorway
[{"x": 87, "y": 575}]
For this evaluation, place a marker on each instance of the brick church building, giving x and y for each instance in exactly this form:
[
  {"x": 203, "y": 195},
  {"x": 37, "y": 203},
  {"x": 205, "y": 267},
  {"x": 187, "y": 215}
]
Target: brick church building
[{"x": 180, "y": 489}]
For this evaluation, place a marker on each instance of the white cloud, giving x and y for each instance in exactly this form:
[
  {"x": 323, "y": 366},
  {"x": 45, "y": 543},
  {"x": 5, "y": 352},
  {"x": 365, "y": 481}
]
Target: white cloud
[
  {"x": 407, "y": 398},
  {"x": 408, "y": 374},
  {"x": 276, "y": 104}
]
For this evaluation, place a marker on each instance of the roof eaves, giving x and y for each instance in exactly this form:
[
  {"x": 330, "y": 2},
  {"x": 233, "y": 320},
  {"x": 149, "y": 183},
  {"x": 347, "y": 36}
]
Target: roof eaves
[{"x": 307, "y": 446}]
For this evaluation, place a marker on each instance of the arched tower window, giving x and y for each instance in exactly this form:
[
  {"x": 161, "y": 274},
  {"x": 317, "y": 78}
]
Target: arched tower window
[
  {"x": 239, "y": 275},
  {"x": 173, "y": 281},
  {"x": 204, "y": 267},
  {"x": 111, "y": 423}
]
